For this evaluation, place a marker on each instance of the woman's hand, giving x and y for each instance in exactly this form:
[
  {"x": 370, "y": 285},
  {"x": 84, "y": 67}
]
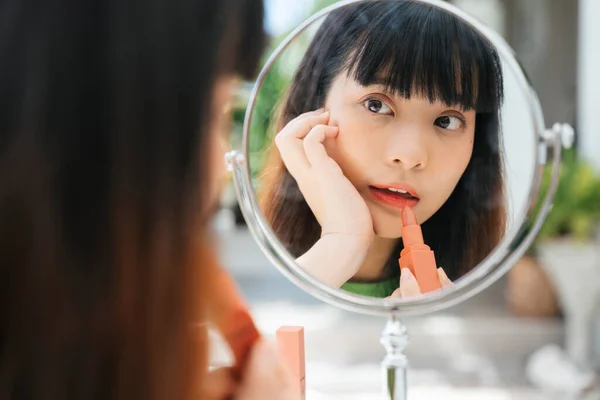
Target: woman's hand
[
  {"x": 218, "y": 384},
  {"x": 335, "y": 202},
  {"x": 409, "y": 287},
  {"x": 265, "y": 378},
  {"x": 345, "y": 220}
]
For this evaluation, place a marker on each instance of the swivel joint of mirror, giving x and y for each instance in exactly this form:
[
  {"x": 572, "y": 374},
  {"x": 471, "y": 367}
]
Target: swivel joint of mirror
[
  {"x": 389, "y": 163},
  {"x": 233, "y": 158},
  {"x": 394, "y": 338},
  {"x": 561, "y": 135}
]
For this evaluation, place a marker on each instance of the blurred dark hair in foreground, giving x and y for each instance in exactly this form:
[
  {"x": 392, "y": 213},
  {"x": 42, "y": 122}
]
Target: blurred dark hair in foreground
[{"x": 105, "y": 111}]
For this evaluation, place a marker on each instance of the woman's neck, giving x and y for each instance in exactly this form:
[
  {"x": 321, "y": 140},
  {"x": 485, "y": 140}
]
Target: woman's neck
[{"x": 372, "y": 268}]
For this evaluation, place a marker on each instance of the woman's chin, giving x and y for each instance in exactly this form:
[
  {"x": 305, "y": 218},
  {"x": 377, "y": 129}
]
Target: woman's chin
[{"x": 388, "y": 232}]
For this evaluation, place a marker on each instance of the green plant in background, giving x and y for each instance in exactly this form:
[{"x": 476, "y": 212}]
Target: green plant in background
[
  {"x": 262, "y": 124},
  {"x": 269, "y": 97},
  {"x": 576, "y": 207}
]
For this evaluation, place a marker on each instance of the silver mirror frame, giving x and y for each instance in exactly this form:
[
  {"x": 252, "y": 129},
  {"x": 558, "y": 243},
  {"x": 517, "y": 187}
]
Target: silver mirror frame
[{"x": 492, "y": 268}]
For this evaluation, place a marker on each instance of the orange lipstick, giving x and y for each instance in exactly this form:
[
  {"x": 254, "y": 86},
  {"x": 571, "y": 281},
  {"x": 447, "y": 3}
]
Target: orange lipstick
[{"x": 416, "y": 255}]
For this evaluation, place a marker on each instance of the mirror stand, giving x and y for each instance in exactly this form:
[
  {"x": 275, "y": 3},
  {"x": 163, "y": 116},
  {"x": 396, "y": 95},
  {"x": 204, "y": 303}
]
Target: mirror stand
[
  {"x": 394, "y": 336},
  {"x": 394, "y": 339}
]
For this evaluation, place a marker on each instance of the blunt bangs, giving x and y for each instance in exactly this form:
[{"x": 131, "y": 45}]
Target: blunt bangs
[{"x": 419, "y": 50}]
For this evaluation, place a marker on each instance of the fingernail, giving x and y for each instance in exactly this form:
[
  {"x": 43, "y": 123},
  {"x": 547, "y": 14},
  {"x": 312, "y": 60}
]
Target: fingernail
[
  {"x": 405, "y": 274},
  {"x": 443, "y": 275}
]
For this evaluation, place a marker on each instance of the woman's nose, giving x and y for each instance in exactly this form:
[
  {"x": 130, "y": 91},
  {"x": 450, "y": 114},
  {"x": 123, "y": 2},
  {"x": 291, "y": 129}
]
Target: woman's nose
[{"x": 407, "y": 149}]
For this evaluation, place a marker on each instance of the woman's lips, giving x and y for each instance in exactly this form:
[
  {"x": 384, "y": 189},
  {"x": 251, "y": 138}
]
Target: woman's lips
[{"x": 393, "y": 198}]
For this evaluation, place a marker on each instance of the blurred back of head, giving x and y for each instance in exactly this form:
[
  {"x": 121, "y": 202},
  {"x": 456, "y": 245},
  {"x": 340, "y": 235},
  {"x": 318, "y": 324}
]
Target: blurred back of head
[{"x": 105, "y": 114}]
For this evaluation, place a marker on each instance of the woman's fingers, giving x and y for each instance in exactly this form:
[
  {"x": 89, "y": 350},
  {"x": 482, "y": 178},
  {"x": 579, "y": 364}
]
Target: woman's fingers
[
  {"x": 409, "y": 286},
  {"x": 298, "y": 128},
  {"x": 289, "y": 141},
  {"x": 310, "y": 114},
  {"x": 313, "y": 144},
  {"x": 266, "y": 377},
  {"x": 301, "y": 127},
  {"x": 219, "y": 384},
  {"x": 444, "y": 280}
]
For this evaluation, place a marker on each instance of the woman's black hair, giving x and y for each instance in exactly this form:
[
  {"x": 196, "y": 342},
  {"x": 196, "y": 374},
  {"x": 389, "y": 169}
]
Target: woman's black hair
[
  {"x": 106, "y": 111},
  {"x": 413, "y": 49}
]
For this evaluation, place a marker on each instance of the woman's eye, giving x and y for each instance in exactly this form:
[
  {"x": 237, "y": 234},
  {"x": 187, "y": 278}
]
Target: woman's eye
[
  {"x": 377, "y": 106},
  {"x": 449, "y": 122}
]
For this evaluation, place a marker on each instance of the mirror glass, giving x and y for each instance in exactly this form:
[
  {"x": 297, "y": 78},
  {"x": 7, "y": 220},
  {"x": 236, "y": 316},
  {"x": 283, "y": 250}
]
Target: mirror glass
[{"x": 391, "y": 149}]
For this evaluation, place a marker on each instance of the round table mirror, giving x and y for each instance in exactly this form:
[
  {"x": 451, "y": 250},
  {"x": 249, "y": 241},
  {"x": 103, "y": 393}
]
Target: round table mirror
[{"x": 393, "y": 159}]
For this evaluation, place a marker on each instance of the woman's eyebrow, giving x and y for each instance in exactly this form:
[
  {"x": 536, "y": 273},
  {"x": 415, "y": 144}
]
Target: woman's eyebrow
[{"x": 380, "y": 83}]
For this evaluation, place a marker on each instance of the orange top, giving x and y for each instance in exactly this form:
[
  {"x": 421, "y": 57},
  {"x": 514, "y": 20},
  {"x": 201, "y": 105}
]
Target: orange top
[
  {"x": 227, "y": 310},
  {"x": 416, "y": 255}
]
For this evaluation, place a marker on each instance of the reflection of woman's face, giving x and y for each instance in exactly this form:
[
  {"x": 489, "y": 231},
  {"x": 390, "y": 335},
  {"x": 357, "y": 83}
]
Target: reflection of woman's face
[{"x": 387, "y": 141}]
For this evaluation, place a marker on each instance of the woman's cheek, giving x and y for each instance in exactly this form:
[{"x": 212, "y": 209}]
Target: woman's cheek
[
  {"x": 217, "y": 172},
  {"x": 456, "y": 156},
  {"x": 218, "y": 139}
]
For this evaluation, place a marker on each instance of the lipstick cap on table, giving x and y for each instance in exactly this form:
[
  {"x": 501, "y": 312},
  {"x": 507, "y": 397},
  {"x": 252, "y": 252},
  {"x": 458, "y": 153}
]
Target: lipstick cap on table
[{"x": 290, "y": 347}]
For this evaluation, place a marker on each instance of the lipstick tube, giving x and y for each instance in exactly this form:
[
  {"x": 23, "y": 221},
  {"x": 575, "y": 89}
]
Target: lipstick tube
[{"x": 416, "y": 255}]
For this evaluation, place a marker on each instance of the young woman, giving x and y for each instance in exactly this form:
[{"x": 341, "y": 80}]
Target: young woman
[
  {"x": 407, "y": 101},
  {"x": 110, "y": 156}
]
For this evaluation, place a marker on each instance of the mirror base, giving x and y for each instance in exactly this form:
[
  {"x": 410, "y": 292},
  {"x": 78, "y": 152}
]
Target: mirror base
[{"x": 394, "y": 339}]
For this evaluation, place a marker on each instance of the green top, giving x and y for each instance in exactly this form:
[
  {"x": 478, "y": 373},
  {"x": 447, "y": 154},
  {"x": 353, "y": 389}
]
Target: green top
[{"x": 372, "y": 289}]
